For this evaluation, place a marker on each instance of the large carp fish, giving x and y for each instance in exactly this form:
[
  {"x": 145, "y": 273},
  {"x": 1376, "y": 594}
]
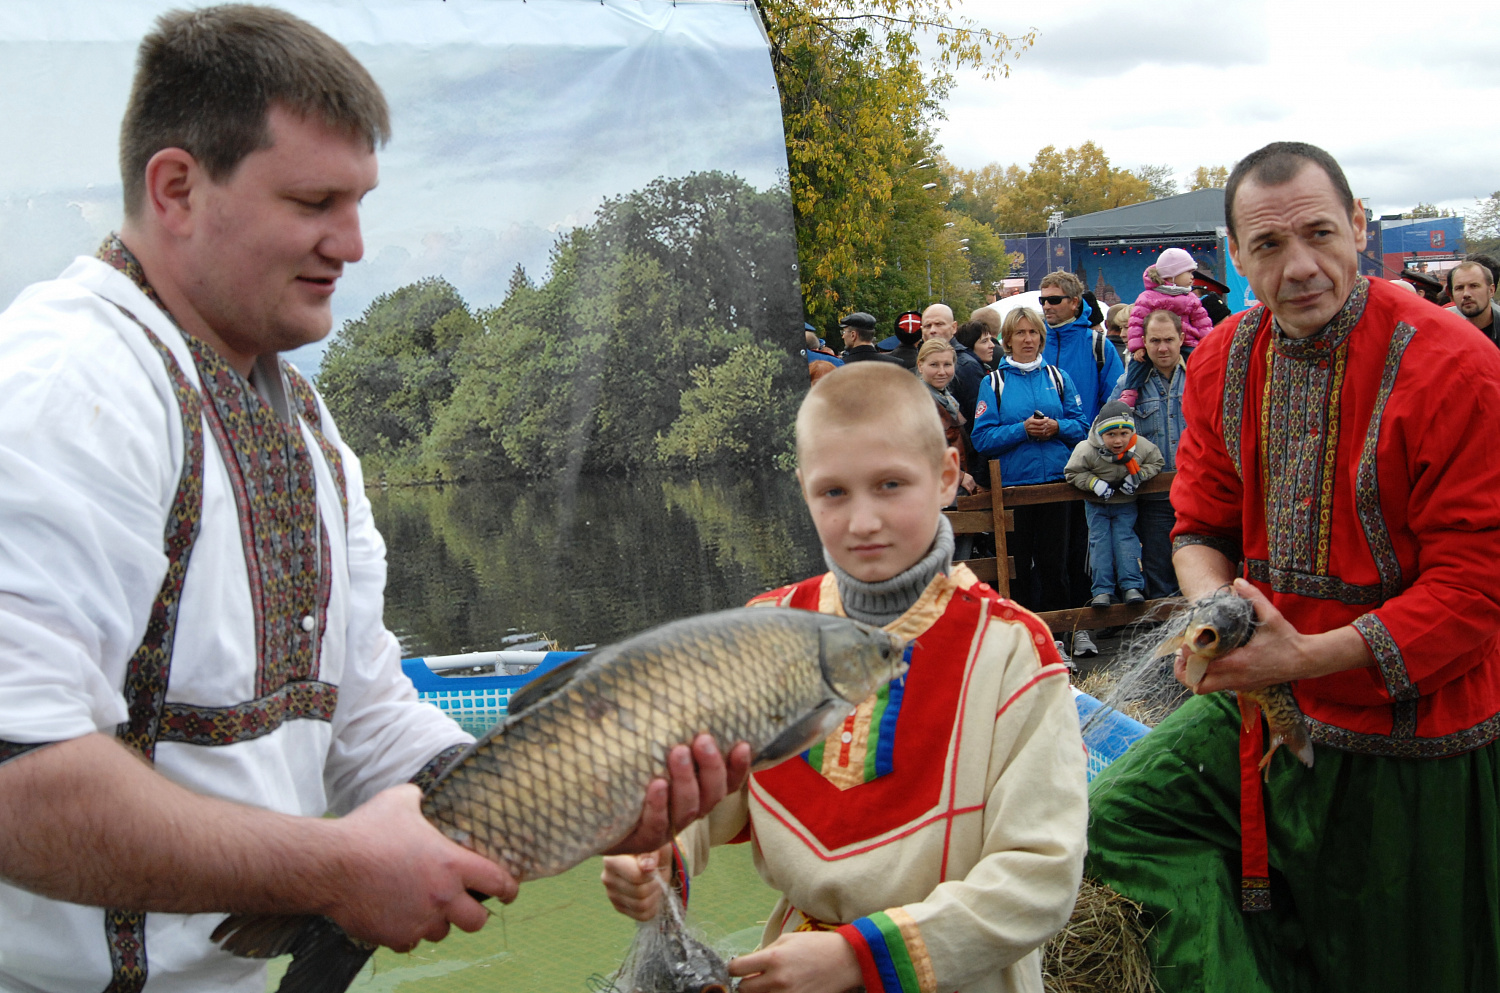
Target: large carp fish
[{"x": 564, "y": 777}]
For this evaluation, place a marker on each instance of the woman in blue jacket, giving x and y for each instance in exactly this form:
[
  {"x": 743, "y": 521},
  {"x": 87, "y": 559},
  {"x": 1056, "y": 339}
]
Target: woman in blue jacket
[{"x": 1029, "y": 416}]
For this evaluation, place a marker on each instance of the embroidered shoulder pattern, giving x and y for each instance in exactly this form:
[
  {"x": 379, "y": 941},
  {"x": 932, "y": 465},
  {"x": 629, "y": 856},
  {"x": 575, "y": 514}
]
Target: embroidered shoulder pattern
[
  {"x": 1236, "y": 372},
  {"x": 149, "y": 668},
  {"x": 1367, "y": 477},
  {"x": 307, "y": 405}
]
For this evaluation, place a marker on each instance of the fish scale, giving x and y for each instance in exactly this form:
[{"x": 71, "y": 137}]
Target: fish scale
[
  {"x": 621, "y": 716},
  {"x": 564, "y": 777}
]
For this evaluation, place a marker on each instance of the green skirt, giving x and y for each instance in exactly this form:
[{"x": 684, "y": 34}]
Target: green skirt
[{"x": 1385, "y": 873}]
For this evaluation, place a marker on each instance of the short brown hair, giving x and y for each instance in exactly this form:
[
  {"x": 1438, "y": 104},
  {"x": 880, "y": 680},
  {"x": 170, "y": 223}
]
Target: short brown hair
[
  {"x": 1170, "y": 315},
  {"x": 1489, "y": 277},
  {"x": 881, "y": 394},
  {"x": 205, "y": 81},
  {"x": 1279, "y": 163},
  {"x": 989, "y": 317},
  {"x": 1008, "y": 326},
  {"x": 1064, "y": 280}
]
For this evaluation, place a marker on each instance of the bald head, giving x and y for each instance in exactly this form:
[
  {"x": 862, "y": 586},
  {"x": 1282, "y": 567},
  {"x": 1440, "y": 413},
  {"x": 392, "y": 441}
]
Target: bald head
[{"x": 938, "y": 322}]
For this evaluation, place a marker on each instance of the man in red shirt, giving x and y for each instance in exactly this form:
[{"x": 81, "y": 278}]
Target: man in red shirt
[{"x": 1337, "y": 468}]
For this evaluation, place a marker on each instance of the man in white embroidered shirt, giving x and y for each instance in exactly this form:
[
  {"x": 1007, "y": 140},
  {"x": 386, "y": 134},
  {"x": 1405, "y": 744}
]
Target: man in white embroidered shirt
[{"x": 189, "y": 574}]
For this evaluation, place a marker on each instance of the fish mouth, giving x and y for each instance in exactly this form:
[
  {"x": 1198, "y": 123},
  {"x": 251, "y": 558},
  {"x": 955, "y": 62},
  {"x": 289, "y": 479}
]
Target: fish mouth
[{"x": 1204, "y": 640}]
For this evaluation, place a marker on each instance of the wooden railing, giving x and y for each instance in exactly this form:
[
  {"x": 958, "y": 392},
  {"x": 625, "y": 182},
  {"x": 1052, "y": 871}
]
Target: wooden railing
[{"x": 990, "y": 513}]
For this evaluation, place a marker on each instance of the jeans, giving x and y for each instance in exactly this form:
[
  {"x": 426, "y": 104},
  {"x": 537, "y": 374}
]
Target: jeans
[
  {"x": 1114, "y": 549},
  {"x": 1153, "y": 523}
]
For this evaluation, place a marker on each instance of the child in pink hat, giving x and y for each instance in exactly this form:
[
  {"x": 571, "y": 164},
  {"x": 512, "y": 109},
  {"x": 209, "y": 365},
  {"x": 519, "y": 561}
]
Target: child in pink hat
[{"x": 1168, "y": 287}]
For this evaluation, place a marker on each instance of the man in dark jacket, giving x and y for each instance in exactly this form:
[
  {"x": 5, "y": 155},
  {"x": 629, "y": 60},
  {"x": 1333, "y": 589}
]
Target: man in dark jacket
[
  {"x": 1473, "y": 290},
  {"x": 859, "y": 340},
  {"x": 909, "y": 339}
]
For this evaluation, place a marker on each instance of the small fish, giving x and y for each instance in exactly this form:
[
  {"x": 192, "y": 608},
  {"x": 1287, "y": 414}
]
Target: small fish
[
  {"x": 564, "y": 776},
  {"x": 1218, "y": 624},
  {"x": 667, "y": 958}
]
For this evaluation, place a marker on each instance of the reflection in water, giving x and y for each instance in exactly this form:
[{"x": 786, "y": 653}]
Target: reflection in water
[{"x": 473, "y": 563}]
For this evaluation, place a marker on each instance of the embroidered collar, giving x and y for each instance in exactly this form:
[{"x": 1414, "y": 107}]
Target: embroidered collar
[
  {"x": 114, "y": 253},
  {"x": 1322, "y": 343}
]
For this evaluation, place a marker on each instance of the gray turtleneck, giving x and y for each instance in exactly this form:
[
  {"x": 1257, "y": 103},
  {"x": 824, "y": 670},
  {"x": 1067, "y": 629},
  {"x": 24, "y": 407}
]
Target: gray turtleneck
[{"x": 883, "y": 602}]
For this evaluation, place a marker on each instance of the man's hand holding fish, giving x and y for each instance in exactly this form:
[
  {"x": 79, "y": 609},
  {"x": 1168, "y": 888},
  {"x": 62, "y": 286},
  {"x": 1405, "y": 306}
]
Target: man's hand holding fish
[{"x": 1278, "y": 653}]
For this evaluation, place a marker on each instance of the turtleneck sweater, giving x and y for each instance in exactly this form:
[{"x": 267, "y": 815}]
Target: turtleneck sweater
[{"x": 881, "y": 602}]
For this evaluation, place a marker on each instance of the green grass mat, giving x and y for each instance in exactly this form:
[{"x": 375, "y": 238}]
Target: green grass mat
[{"x": 561, "y": 931}]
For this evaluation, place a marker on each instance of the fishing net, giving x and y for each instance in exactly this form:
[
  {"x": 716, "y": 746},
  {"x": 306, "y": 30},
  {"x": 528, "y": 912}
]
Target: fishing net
[
  {"x": 668, "y": 957},
  {"x": 1140, "y": 683}
]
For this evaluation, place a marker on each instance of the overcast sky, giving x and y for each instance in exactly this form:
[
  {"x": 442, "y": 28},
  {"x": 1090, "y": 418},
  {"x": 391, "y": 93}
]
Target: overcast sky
[
  {"x": 512, "y": 123},
  {"x": 1406, "y": 96}
]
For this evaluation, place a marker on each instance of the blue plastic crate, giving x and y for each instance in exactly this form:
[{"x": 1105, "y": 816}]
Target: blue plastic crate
[
  {"x": 1110, "y": 736},
  {"x": 478, "y": 703}
]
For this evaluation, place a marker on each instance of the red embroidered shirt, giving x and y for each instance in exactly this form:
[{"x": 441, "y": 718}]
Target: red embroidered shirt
[{"x": 1357, "y": 473}]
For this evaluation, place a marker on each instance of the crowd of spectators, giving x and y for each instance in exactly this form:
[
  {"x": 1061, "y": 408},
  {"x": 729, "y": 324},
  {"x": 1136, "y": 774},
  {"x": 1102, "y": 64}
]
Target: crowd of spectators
[{"x": 1026, "y": 388}]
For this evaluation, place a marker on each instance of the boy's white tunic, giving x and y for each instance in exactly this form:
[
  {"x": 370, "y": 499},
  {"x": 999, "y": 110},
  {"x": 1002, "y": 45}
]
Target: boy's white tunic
[
  {"x": 948, "y": 838},
  {"x": 92, "y": 447}
]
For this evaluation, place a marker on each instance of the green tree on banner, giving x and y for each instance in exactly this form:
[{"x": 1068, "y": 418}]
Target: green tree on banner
[{"x": 590, "y": 369}]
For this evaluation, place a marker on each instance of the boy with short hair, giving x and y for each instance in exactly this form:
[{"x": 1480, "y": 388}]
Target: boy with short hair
[
  {"x": 935, "y": 840},
  {"x": 1109, "y": 466}
]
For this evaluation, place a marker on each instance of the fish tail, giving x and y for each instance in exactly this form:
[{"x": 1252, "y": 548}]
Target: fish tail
[
  {"x": 324, "y": 958},
  {"x": 1284, "y": 718}
]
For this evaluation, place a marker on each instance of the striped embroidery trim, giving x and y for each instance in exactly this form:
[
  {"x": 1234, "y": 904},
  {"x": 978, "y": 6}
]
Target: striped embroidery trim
[
  {"x": 871, "y": 731},
  {"x": 215, "y": 726},
  {"x": 427, "y": 776},
  {"x": 1388, "y": 658},
  {"x": 312, "y": 416},
  {"x": 892, "y": 955},
  {"x": 1367, "y": 476}
]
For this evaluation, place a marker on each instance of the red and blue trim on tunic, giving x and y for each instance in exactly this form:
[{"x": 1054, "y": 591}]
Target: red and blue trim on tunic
[{"x": 892, "y": 956}]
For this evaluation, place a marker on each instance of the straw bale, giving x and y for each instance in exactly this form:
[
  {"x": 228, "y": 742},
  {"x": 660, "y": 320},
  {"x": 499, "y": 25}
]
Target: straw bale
[{"x": 1102, "y": 949}]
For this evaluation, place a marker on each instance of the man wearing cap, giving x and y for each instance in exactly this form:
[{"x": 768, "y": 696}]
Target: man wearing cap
[
  {"x": 1210, "y": 293},
  {"x": 908, "y": 339},
  {"x": 859, "y": 340},
  {"x": 1472, "y": 288},
  {"x": 1336, "y": 470}
]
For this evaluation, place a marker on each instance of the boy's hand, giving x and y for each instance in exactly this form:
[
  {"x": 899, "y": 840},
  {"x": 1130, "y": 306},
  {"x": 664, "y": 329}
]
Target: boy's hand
[
  {"x": 800, "y": 962},
  {"x": 1139, "y": 355},
  {"x": 631, "y": 882},
  {"x": 1129, "y": 484},
  {"x": 967, "y": 484},
  {"x": 1102, "y": 490}
]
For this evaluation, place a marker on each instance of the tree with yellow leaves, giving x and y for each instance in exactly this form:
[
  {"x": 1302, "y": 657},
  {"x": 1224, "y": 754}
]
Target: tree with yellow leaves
[
  {"x": 858, "y": 98},
  {"x": 1206, "y": 178},
  {"x": 1071, "y": 182}
]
